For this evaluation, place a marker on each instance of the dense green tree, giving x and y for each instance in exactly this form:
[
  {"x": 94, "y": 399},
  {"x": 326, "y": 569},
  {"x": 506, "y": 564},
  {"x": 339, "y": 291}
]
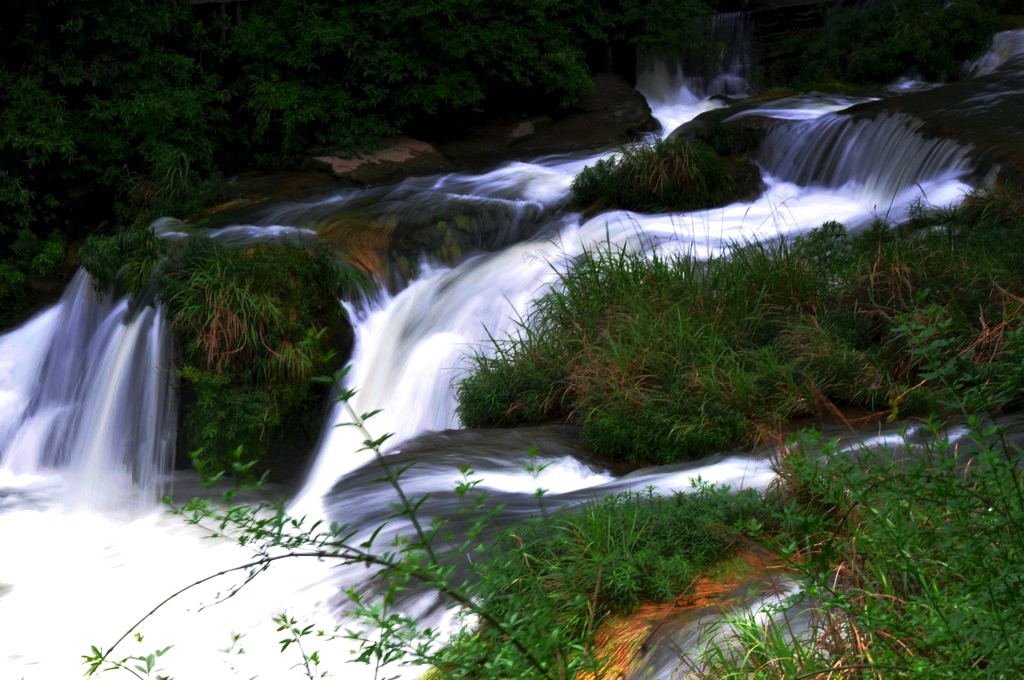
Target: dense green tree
[{"x": 880, "y": 41}]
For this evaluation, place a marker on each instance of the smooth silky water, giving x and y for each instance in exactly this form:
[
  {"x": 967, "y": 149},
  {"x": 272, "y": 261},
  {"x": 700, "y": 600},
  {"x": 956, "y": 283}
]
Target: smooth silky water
[{"x": 87, "y": 405}]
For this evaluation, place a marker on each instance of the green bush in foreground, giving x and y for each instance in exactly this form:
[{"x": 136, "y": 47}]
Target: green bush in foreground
[
  {"x": 662, "y": 359},
  {"x": 555, "y": 578},
  {"x": 912, "y": 559},
  {"x": 669, "y": 175}
]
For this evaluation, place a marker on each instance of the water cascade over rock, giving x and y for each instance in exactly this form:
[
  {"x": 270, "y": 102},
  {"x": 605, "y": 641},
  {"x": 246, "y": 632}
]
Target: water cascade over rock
[
  {"x": 694, "y": 79},
  {"x": 878, "y": 158},
  {"x": 88, "y": 391}
]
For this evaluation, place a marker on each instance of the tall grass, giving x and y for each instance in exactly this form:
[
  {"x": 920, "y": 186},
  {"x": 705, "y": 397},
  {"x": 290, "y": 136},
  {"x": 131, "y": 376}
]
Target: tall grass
[
  {"x": 912, "y": 561},
  {"x": 661, "y": 359},
  {"x": 257, "y": 324}
]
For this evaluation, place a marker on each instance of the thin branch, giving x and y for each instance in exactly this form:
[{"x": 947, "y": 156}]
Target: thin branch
[{"x": 257, "y": 563}]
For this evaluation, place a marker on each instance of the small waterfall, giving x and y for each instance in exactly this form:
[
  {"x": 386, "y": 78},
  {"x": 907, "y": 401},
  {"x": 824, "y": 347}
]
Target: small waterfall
[
  {"x": 92, "y": 395},
  {"x": 875, "y": 158},
  {"x": 1007, "y": 47},
  {"x": 411, "y": 349},
  {"x": 721, "y": 66},
  {"x": 674, "y": 650}
]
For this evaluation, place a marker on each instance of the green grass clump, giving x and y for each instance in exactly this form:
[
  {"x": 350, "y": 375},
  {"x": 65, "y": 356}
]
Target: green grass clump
[
  {"x": 668, "y": 175},
  {"x": 912, "y": 561},
  {"x": 664, "y": 359},
  {"x": 257, "y": 324},
  {"x": 555, "y": 578}
]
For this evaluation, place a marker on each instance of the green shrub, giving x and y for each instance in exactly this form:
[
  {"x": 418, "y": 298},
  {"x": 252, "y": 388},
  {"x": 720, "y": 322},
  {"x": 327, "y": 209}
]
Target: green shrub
[
  {"x": 22, "y": 256},
  {"x": 882, "y": 41},
  {"x": 12, "y": 294},
  {"x": 556, "y": 578},
  {"x": 123, "y": 261},
  {"x": 668, "y": 175},
  {"x": 240, "y": 428}
]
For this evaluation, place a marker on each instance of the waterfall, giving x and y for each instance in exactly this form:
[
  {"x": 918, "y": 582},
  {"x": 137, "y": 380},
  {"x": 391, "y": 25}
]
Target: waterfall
[
  {"x": 875, "y": 158},
  {"x": 1007, "y": 48},
  {"x": 721, "y": 66},
  {"x": 89, "y": 392}
]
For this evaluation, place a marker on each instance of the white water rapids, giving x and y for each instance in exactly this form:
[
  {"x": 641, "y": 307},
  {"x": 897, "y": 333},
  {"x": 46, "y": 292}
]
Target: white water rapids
[{"x": 85, "y": 430}]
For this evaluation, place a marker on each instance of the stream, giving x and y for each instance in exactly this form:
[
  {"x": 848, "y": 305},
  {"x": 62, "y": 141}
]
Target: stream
[{"x": 87, "y": 404}]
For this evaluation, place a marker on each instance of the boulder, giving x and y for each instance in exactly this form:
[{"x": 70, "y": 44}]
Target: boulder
[
  {"x": 398, "y": 157},
  {"x": 727, "y": 133}
]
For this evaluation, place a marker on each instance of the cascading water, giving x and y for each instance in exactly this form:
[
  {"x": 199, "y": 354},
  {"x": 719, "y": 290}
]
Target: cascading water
[
  {"x": 675, "y": 88},
  {"x": 877, "y": 159},
  {"x": 85, "y": 398},
  {"x": 88, "y": 392},
  {"x": 1007, "y": 49}
]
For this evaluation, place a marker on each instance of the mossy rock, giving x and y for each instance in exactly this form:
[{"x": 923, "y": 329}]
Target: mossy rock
[{"x": 668, "y": 176}]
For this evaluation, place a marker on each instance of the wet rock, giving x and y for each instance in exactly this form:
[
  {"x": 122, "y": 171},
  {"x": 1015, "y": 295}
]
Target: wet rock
[
  {"x": 612, "y": 113},
  {"x": 736, "y": 140},
  {"x": 609, "y": 115},
  {"x": 727, "y": 133},
  {"x": 397, "y": 158}
]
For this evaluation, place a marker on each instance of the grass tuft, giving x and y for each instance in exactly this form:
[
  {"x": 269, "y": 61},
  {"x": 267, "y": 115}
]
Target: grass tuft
[{"x": 669, "y": 175}]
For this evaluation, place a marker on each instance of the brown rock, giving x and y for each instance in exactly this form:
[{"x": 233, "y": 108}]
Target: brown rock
[
  {"x": 612, "y": 113},
  {"x": 398, "y": 157},
  {"x": 609, "y": 115}
]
